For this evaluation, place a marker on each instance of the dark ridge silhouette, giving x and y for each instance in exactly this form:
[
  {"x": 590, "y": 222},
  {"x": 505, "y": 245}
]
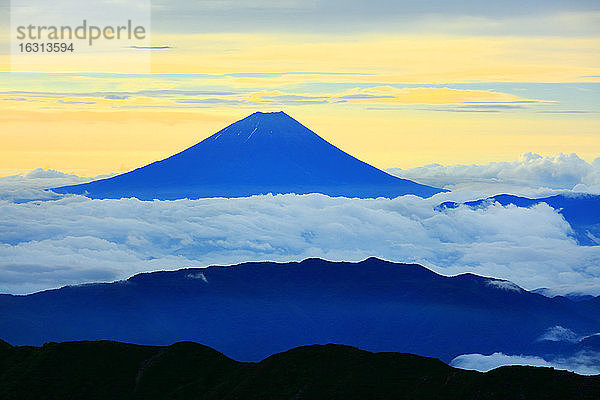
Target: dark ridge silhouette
[{"x": 119, "y": 371}]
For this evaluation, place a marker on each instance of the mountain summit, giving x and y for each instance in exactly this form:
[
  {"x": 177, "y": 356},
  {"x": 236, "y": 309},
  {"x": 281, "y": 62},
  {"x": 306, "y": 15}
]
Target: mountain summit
[{"x": 262, "y": 153}]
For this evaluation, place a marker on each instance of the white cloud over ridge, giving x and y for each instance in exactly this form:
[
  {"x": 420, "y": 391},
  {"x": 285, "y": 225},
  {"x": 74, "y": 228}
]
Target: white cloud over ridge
[
  {"x": 560, "y": 334},
  {"x": 72, "y": 239},
  {"x": 532, "y": 174},
  {"x": 584, "y": 362},
  {"x": 30, "y": 186}
]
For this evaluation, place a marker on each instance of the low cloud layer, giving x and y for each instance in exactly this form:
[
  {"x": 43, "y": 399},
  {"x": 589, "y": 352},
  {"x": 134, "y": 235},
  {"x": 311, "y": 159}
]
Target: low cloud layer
[
  {"x": 30, "y": 186},
  {"x": 584, "y": 363},
  {"x": 45, "y": 244},
  {"x": 56, "y": 240},
  {"x": 531, "y": 174}
]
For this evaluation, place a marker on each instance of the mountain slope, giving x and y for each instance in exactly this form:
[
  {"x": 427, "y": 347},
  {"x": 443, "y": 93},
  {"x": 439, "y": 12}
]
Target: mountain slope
[
  {"x": 262, "y": 153},
  {"x": 110, "y": 370},
  {"x": 252, "y": 310}
]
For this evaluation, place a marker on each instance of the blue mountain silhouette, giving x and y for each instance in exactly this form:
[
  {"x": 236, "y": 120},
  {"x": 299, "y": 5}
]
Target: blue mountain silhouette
[
  {"x": 252, "y": 310},
  {"x": 262, "y": 153}
]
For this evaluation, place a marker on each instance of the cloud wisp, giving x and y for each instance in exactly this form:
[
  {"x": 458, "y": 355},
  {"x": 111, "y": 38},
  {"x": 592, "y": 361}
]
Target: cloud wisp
[{"x": 584, "y": 362}]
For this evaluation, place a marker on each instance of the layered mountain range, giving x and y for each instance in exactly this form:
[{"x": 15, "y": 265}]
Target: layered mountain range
[{"x": 252, "y": 310}]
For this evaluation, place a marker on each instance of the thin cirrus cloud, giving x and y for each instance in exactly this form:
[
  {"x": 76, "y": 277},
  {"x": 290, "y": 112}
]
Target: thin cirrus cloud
[
  {"x": 151, "y": 47},
  {"x": 470, "y": 100},
  {"x": 433, "y": 95}
]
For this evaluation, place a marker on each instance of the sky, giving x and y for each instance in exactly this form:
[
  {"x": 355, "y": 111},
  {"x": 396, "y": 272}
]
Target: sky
[{"x": 398, "y": 84}]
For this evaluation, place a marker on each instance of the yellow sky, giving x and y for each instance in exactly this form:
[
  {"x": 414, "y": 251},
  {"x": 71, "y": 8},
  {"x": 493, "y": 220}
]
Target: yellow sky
[
  {"x": 66, "y": 122},
  {"x": 392, "y": 58}
]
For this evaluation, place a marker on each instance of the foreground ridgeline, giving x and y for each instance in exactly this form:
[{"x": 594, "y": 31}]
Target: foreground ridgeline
[
  {"x": 186, "y": 370},
  {"x": 260, "y": 154}
]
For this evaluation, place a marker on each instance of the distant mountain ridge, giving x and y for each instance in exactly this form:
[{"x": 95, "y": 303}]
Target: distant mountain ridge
[
  {"x": 252, "y": 310},
  {"x": 262, "y": 153},
  {"x": 120, "y": 371}
]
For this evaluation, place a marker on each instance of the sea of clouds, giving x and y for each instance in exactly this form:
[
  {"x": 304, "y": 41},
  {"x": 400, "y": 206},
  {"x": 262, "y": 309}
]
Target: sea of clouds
[{"x": 53, "y": 240}]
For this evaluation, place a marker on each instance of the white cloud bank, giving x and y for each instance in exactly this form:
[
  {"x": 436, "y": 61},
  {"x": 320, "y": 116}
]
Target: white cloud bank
[
  {"x": 532, "y": 174},
  {"x": 584, "y": 362},
  {"x": 71, "y": 240},
  {"x": 31, "y": 185},
  {"x": 47, "y": 244}
]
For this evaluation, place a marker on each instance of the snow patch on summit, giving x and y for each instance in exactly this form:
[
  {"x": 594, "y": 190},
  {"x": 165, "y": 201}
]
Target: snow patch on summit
[{"x": 504, "y": 285}]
